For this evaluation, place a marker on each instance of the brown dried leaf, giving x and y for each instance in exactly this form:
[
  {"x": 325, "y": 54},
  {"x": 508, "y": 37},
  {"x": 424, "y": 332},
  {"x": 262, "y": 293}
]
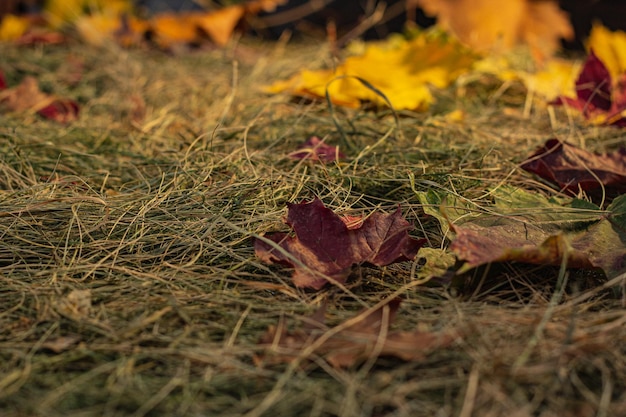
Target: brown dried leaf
[
  {"x": 359, "y": 338},
  {"x": 27, "y": 97},
  {"x": 61, "y": 344}
]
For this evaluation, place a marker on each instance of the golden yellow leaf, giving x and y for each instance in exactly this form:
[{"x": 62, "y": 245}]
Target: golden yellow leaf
[
  {"x": 97, "y": 28},
  {"x": 498, "y": 65},
  {"x": 60, "y": 12},
  {"x": 610, "y": 47},
  {"x": 12, "y": 27},
  {"x": 401, "y": 70},
  {"x": 498, "y": 26},
  {"x": 557, "y": 78}
]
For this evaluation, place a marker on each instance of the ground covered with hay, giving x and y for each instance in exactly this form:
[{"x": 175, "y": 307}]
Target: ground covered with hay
[{"x": 129, "y": 280}]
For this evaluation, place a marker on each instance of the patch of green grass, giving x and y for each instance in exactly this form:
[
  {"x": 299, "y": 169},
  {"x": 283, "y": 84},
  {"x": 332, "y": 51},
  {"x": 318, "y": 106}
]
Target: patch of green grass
[{"x": 129, "y": 284}]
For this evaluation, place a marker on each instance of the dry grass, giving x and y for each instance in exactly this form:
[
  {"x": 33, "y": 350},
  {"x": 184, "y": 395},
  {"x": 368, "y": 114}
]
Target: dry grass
[{"x": 129, "y": 285}]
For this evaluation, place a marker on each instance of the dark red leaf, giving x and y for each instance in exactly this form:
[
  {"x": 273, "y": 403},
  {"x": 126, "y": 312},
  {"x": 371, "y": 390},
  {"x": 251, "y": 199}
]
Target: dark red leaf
[
  {"x": 60, "y": 110},
  {"x": 596, "y": 96},
  {"x": 574, "y": 169},
  {"x": 593, "y": 86},
  {"x": 3, "y": 83},
  {"x": 324, "y": 248},
  {"x": 316, "y": 150}
]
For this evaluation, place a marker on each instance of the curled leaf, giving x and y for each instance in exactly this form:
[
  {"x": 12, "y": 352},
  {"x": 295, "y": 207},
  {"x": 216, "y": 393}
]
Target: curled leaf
[
  {"x": 574, "y": 169},
  {"x": 546, "y": 232}
]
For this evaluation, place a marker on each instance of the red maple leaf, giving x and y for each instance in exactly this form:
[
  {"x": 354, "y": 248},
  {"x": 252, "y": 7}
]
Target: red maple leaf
[
  {"x": 574, "y": 169},
  {"x": 317, "y": 150},
  {"x": 324, "y": 248},
  {"x": 596, "y": 96}
]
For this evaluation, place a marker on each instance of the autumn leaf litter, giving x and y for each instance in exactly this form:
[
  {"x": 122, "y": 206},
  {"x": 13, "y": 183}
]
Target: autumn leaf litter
[{"x": 130, "y": 281}]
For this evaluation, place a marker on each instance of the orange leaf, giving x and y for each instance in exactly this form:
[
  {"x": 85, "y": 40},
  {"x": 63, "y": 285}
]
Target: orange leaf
[
  {"x": 220, "y": 24},
  {"x": 192, "y": 27},
  {"x": 497, "y": 25},
  {"x": 168, "y": 29},
  {"x": 257, "y": 6}
]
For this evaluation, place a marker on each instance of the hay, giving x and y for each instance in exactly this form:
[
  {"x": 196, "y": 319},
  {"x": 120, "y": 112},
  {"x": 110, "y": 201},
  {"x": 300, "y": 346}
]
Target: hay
[{"x": 129, "y": 285}]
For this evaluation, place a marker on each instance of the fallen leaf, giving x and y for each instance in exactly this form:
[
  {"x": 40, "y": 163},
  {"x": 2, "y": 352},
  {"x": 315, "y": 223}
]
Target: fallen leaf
[
  {"x": 529, "y": 228},
  {"x": 555, "y": 78},
  {"x": 324, "y": 249},
  {"x": 610, "y": 48},
  {"x": 169, "y": 29},
  {"x": 12, "y": 27},
  {"x": 98, "y": 28},
  {"x": 60, "y": 110},
  {"x": 574, "y": 169},
  {"x": 597, "y": 98},
  {"x": 27, "y": 97},
  {"x": 359, "y": 338},
  {"x": 137, "y": 111},
  {"x": 61, "y": 344},
  {"x": 220, "y": 24},
  {"x": 547, "y": 80},
  {"x": 41, "y": 36},
  {"x": 496, "y": 26},
  {"x": 317, "y": 150},
  {"x": 397, "y": 72},
  {"x": 27, "y": 30},
  {"x": 61, "y": 13},
  {"x": 258, "y": 6}
]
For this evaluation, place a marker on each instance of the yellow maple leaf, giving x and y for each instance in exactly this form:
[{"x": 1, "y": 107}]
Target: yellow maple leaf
[
  {"x": 498, "y": 26},
  {"x": 12, "y": 27},
  {"x": 556, "y": 78},
  {"x": 61, "y": 12},
  {"x": 402, "y": 71},
  {"x": 610, "y": 47},
  {"x": 553, "y": 78}
]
